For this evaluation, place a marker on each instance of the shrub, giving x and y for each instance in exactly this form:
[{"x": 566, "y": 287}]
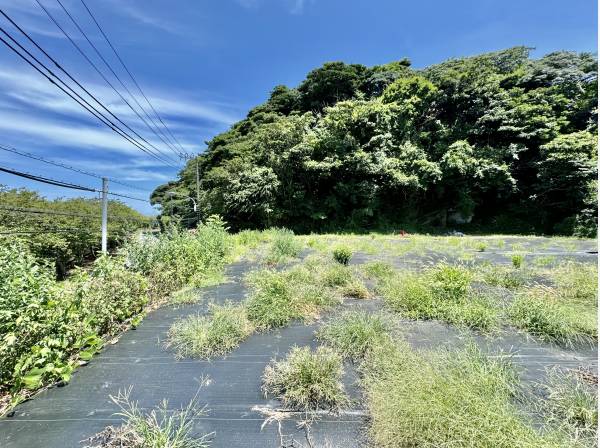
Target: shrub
[
  {"x": 356, "y": 289},
  {"x": 179, "y": 258},
  {"x": 460, "y": 399},
  {"x": 353, "y": 334},
  {"x": 45, "y": 327},
  {"x": 307, "y": 380},
  {"x": 541, "y": 312},
  {"x": 213, "y": 335},
  {"x": 481, "y": 246},
  {"x": 342, "y": 254}
]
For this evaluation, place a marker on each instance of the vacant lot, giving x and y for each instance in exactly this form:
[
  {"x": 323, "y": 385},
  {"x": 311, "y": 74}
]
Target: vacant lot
[{"x": 341, "y": 341}]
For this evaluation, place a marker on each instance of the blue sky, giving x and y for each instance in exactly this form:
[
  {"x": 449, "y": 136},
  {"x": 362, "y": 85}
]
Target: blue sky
[{"x": 203, "y": 64}]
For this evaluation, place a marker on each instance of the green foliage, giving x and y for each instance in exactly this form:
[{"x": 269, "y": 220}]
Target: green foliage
[
  {"x": 517, "y": 260},
  {"x": 178, "y": 258},
  {"x": 353, "y": 334},
  {"x": 307, "y": 380},
  {"x": 497, "y": 140},
  {"x": 67, "y": 248},
  {"x": 342, "y": 254},
  {"x": 461, "y": 398},
  {"x": 46, "y": 327},
  {"x": 213, "y": 335}
]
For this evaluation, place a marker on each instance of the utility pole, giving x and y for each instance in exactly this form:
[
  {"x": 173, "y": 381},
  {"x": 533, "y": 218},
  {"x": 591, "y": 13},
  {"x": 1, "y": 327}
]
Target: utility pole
[
  {"x": 104, "y": 214},
  {"x": 198, "y": 188}
]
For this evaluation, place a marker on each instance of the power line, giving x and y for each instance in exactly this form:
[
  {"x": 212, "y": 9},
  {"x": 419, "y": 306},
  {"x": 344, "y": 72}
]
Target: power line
[
  {"x": 86, "y": 106},
  {"x": 131, "y": 76},
  {"x": 107, "y": 65},
  {"x": 61, "y": 68},
  {"x": 36, "y": 211},
  {"x": 59, "y": 183},
  {"x": 61, "y": 165}
]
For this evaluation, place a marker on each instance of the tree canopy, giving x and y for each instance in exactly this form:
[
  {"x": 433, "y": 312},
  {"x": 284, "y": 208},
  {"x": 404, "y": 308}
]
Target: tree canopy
[{"x": 499, "y": 140}]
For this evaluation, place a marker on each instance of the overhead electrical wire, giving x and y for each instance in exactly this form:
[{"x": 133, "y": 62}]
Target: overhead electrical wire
[
  {"x": 36, "y": 211},
  {"x": 79, "y": 49},
  {"x": 81, "y": 101},
  {"x": 59, "y": 183},
  {"x": 131, "y": 76},
  {"x": 62, "y": 69},
  {"x": 61, "y": 165}
]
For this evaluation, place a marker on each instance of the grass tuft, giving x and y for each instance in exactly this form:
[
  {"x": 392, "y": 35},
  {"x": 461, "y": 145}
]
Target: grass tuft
[
  {"x": 307, "y": 380},
  {"x": 442, "y": 292},
  {"x": 342, "y": 255},
  {"x": 160, "y": 428},
  {"x": 378, "y": 270},
  {"x": 458, "y": 399},
  {"x": 212, "y": 335},
  {"x": 284, "y": 247},
  {"x": 542, "y": 312},
  {"x": 353, "y": 334}
]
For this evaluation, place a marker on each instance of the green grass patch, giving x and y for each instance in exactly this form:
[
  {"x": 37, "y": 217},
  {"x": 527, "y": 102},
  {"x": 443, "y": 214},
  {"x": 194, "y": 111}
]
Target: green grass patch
[
  {"x": 378, "y": 270},
  {"x": 354, "y": 333},
  {"x": 443, "y": 292},
  {"x": 543, "y": 312},
  {"x": 342, "y": 254},
  {"x": 570, "y": 403},
  {"x": 213, "y": 335},
  {"x": 440, "y": 398},
  {"x": 307, "y": 380},
  {"x": 284, "y": 247}
]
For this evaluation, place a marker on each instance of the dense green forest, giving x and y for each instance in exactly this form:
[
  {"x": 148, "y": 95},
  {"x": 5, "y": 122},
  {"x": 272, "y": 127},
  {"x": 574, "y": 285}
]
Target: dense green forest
[
  {"x": 496, "y": 142},
  {"x": 63, "y": 232}
]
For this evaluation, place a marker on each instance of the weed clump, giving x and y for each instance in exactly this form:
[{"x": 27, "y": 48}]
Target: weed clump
[
  {"x": 342, "y": 255},
  {"x": 378, "y": 270},
  {"x": 307, "y": 380},
  {"x": 459, "y": 399},
  {"x": 353, "y": 334},
  {"x": 542, "y": 312},
  {"x": 571, "y": 404},
  {"x": 160, "y": 428},
  {"x": 443, "y": 292},
  {"x": 517, "y": 260},
  {"x": 213, "y": 335},
  {"x": 284, "y": 247}
]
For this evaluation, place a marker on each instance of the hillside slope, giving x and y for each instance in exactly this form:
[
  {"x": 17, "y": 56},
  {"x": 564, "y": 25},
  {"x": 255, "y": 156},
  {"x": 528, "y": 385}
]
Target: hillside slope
[{"x": 500, "y": 141}]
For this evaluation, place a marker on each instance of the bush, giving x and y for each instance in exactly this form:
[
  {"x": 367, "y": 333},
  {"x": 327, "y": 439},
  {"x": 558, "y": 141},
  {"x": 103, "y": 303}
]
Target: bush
[
  {"x": 517, "y": 260},
  {"x": 342, "y": 254},
  {"x": 213, "y": 335},
  {"x": 307, "y": 380},
  {"x": 45, "y": 327},
  {"x": 179, "y": 258},
  {"x": 353, "y": 334}
]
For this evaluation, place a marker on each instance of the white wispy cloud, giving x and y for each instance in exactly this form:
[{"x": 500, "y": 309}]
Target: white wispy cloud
[{"x": 292, "y": 6}]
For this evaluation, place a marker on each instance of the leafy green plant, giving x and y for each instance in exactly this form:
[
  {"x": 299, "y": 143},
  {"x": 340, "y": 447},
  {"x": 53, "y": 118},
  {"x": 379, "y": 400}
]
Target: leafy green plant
[
  {"x": 307, "y": 380},
  {"x": 209, "y": 336},
  {"x": 517, "y": 260},
  {"x": 378, "y": 270},
  {"x": 355, "y": 333},
  {"x": 342, "y": 254},
  {"x": 159, "y": 428},
  {"x": 481, "y": 246}
]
